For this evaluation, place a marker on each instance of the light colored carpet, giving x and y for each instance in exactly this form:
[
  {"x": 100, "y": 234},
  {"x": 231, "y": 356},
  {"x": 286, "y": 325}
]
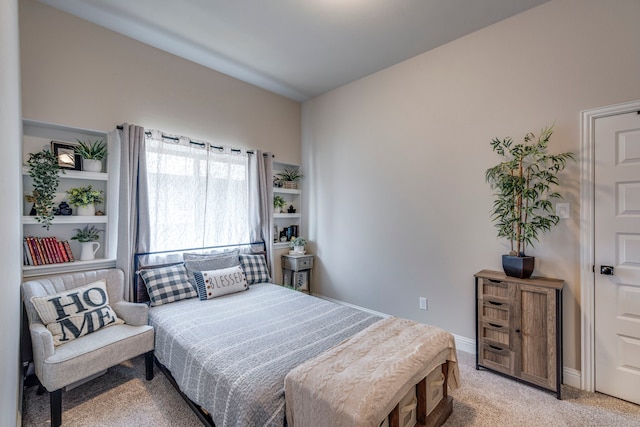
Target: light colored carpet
[{"x": 122, "y": 398}]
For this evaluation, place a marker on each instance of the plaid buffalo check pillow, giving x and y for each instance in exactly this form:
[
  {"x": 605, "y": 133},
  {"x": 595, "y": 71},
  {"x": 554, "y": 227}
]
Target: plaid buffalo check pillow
[
  {"x": 167, "y": 284},
  {"x": 255, "y": 268}
]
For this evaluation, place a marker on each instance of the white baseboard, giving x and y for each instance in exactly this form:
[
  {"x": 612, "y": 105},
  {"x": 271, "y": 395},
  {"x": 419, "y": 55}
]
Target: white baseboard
[
  {"x": 571, "y": 377},
  {"x": 465, "y": 344}
]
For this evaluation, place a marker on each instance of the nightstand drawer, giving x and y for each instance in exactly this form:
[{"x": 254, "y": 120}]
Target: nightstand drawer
[{"x": 297, "y": 263}]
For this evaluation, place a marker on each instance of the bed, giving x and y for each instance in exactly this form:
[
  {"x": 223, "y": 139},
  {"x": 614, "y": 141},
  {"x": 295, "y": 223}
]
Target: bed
[{"x": 229, "y": 356}]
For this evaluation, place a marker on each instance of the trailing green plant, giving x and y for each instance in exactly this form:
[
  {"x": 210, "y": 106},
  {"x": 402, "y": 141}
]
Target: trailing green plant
[
  {"x": 523, "y": 185},
  {"x": 297, "y": 241},
  {"x": 87, "y": 234},
  {"x": 290, "y": 175},
  {"x": 43, "y": 169},
  {"x": 96, "y": 150},
  {"x": 84, "y": 196},
  {"x": 278, "y": 202}
]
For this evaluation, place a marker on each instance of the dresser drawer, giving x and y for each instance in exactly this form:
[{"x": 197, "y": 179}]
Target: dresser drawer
[
  {"x": 495, "y": 333},
  {"x": 493, "y": 288},
  {"x": 493, "y": 311},
  {"x": 496, "y": 357},
  {"x": 297, "y": 263}
]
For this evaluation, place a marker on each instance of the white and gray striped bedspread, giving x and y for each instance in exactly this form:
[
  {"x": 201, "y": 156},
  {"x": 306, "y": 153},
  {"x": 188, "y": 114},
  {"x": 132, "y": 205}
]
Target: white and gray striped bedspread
[{"x": 230, "y": 354}]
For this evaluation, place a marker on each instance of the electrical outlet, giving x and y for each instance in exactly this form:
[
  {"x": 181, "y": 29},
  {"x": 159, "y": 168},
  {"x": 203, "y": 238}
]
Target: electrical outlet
[
  {"x": 563, "y": 210},
  {"x": 423, "y": 303}
]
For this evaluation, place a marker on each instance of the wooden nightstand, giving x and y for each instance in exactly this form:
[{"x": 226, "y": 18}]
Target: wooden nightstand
[{"x": 296, "y": 271}]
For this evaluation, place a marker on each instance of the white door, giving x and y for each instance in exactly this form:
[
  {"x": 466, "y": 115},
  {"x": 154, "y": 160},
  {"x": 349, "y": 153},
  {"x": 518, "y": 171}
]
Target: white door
[{"x": 617, "y": 244}]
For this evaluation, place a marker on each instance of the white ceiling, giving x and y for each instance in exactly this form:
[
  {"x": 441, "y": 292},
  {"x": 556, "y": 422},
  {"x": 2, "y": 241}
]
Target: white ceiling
[{"x": 296, "y": 48}]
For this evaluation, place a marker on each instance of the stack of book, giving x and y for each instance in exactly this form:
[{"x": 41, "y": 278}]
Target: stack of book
[{"x": 46, "y": 250}]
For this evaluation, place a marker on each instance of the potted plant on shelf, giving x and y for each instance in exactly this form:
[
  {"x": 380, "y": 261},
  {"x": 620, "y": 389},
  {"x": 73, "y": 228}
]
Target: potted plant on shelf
[
  {"x": 92, "y": 154},
  {"x": 523, "y": 184},
  {"x": 85, "y": 198},
  {"x": 290, "y": 177},
  {"x": 87, "y": 237},
  {"x": 297, "y": 245},
  {"x": 278, "y": 204},
  {"x": 43, "y": 169}
]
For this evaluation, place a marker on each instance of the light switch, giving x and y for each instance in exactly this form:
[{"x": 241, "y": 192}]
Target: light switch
[{"x": 563, "y": 210}]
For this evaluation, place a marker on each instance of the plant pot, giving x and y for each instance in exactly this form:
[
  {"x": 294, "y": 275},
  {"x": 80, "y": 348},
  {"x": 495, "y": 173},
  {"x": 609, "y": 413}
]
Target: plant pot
[
  {"x": 91, "y": 165},
  {"x": 89, "y": 210},
  {"x": 518, "y": 266},
  {"x": 88, "y": 252}
]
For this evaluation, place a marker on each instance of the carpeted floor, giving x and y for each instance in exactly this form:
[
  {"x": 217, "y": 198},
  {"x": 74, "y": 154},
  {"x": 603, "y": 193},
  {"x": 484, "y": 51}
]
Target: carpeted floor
[{"x": 123, "y": 398}]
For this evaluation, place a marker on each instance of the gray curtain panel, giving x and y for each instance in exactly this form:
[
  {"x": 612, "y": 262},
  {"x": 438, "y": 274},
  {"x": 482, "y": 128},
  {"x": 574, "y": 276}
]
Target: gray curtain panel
[
  {"x": 261, "y": 201},
  {"x": 133, "y": 209}
]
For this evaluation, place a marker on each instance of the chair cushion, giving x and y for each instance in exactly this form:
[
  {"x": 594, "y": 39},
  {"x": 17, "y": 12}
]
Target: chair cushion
[{"x": 77, "y": 312}]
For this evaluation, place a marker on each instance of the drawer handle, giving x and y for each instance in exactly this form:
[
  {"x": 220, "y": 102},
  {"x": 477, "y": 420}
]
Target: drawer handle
[
  {"x": 495, "y": 281},
  {"x": 495, "y": 303},
  {"x": 495, "y": 325},
  {"x": 495, "y": 347}
]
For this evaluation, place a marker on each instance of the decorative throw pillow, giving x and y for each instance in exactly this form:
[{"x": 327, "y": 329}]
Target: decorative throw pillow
[
  {"x": 214, "y": 283},
  {"x": 255, "y": 268},
  {"x": 208, "y": 262},
  {"x": 71, "y": 314},
  {"x": 167, "y": 284}
]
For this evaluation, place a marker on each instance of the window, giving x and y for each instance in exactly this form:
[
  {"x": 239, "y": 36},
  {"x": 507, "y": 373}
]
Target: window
[{"x": 198, "y": 194}]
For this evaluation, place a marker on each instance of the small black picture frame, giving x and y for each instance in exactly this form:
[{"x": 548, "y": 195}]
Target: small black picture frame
[{"x": 67, "y": 158}]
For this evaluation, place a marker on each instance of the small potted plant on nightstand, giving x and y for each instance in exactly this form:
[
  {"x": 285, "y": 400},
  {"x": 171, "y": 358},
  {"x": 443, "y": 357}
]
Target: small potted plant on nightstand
[
  {"x": 278, "y": 204},
  {"x": 523, "y": 185},
  {"x": 86, "y": 199},
  {"x": 87, "y": 237},
  {"x": 297, "y": 246},
  {"x": 92, "y": 154},
  {"x": 290, "y": 177}
]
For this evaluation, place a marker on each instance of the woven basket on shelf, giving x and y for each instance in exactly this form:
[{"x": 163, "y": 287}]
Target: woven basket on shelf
[{"x": 290, "y": 185}]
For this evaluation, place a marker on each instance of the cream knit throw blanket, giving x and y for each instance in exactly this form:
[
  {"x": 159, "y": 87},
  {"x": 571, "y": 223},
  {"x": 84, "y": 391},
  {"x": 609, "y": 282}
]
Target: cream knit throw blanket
[{"x": 359, "y": 381}]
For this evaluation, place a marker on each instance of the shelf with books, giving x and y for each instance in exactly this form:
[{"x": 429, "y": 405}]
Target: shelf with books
[
  {"x": 67, "y": 267},
  {"x": 38, "y": 136}
]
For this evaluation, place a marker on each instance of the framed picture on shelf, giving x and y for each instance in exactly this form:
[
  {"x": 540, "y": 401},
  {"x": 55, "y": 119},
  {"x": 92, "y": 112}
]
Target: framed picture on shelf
[{"x": 67, "y": 158}]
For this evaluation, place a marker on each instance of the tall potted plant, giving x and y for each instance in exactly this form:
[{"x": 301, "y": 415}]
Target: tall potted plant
[
  {"x": 523, "y": 184},
  {"x": 43, "y": 169}
]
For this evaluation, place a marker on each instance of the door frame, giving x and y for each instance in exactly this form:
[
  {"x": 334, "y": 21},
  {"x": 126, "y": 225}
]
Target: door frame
[{"x": 587, "y": 233}]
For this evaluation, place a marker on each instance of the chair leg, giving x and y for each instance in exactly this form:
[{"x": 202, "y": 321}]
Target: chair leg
[
  {"x": 55, "y": 401},
  {"x": 148, "y": 362}
]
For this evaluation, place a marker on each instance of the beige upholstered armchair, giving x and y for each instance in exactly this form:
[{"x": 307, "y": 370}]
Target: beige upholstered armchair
[{"x": 88, "y": 334}]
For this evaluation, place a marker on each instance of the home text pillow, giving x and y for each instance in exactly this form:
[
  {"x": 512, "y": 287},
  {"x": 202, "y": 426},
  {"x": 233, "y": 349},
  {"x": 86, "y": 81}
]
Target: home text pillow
[
  {"x": 167, "y": 284},
  {"x": 255, "y": 268},
  {"x": 214, "y": 283},
  {"x": 71, "y": 314},
  {"x": 208, "y": 262}
]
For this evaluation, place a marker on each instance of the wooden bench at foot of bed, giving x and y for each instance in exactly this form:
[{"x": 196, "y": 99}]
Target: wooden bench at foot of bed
[
  {"x": 371, "y": 376},
  {"x": 427, "y": 392}
]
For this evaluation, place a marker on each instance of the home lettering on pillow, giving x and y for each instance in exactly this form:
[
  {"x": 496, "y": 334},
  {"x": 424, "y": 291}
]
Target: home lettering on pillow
[
  {"x": 71, "y": 314},
  {"x": 87, "y": 312}
]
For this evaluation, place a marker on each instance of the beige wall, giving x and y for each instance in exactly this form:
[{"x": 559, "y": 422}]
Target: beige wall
[
  {"x": 76, "y": 73},
  {"x": 395, "y": 162}
]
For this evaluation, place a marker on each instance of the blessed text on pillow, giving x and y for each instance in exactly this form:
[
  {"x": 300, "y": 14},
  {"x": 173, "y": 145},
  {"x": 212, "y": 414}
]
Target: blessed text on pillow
[{"x": 214, "y": 283}]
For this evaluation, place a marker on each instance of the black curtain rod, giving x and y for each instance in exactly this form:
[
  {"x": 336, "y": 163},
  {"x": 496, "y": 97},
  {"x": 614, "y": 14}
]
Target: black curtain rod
[{"x": 202, "y": 144}]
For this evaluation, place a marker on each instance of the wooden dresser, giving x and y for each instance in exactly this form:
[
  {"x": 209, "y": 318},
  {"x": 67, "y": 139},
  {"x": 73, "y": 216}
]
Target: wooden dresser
[{"x": 519, "y": 328}]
